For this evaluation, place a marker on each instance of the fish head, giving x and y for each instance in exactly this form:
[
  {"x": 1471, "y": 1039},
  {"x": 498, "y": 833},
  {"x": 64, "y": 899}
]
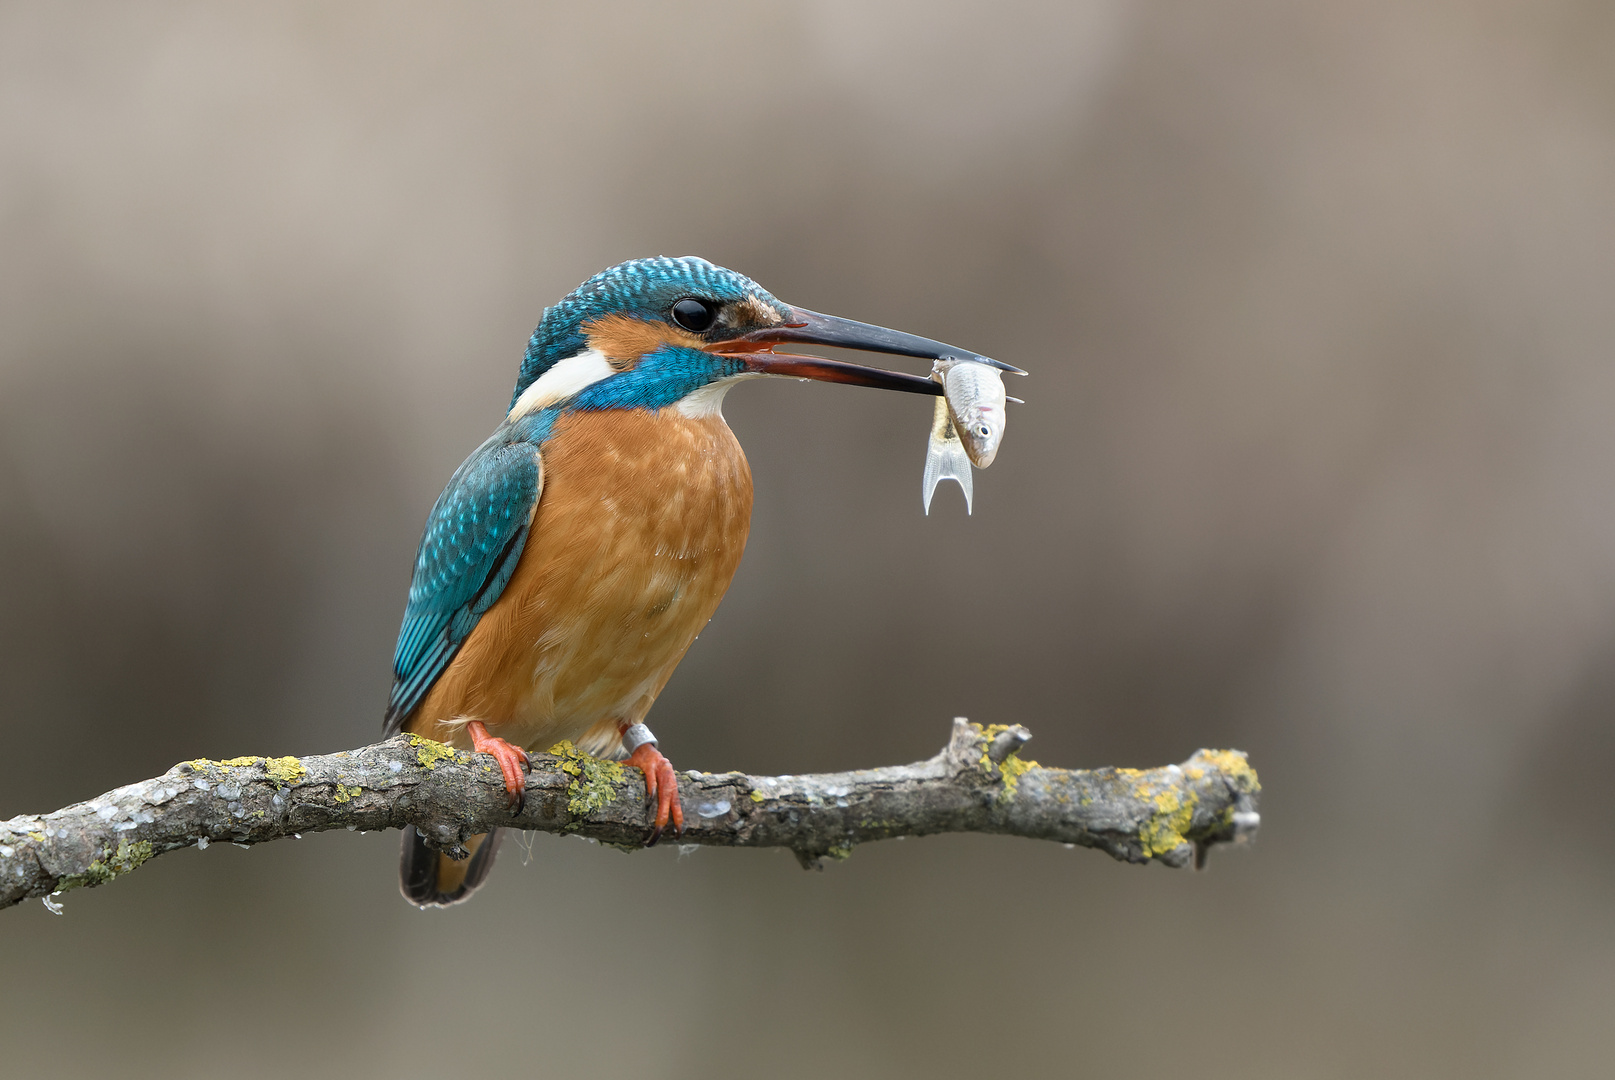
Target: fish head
[{"x": 976, "y": 404}]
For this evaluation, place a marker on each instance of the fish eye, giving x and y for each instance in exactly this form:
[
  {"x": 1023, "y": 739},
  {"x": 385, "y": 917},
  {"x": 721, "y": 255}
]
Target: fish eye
[
  {"x": 983, "y": 430},
  {"x": 694, "y": 315}
]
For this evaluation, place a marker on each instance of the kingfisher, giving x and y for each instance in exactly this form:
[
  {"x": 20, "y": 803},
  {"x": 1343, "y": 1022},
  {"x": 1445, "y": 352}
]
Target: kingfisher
[{"x": 576, "y": 554}]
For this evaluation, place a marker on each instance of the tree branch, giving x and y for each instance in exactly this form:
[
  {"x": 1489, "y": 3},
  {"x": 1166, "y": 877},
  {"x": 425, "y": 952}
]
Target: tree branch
[{"x": 977, "y": 783}]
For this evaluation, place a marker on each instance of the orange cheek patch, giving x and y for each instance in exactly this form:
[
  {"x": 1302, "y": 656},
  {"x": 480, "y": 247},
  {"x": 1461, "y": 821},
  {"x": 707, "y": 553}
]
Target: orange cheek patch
[{"x": 622, "y": 341}]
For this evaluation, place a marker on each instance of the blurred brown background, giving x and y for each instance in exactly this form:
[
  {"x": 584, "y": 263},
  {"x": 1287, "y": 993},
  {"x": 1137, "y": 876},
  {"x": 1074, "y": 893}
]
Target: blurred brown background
[{"x": 1318, "y": 462}]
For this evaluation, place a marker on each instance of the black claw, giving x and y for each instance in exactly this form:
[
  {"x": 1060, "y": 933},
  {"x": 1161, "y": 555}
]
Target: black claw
[
  {"x": 655, "y": 835},
  {"x": 520, "y": 803}
]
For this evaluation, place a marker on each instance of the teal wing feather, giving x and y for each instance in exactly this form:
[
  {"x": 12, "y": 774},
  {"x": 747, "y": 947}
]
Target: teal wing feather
[{"x": 473, "y": 540}]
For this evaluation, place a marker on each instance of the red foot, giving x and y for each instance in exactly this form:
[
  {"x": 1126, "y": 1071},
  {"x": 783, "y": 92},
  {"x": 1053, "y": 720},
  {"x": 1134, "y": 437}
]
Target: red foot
[
  {"x": 660, "y": 785},
  {"x": 512, "y": 762}
]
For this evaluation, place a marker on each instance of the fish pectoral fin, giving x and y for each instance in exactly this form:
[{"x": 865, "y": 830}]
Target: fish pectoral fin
[{"x": 945, "y": 459}]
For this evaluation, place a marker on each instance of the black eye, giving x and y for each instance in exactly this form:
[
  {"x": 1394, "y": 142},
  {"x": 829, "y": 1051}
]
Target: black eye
[{"x": 694, "y": 315}]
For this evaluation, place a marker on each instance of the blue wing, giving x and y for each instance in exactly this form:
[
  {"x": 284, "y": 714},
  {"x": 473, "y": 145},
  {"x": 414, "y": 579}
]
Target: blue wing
[{"x": 472, "y": 542}]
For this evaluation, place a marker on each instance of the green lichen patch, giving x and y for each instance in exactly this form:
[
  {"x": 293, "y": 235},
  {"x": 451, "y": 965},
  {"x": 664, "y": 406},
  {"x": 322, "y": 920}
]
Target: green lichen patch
[
  {"x": 594, "y": 782},
  {"x": 102, "y": 870},
  {"x": 430, "y": 753},
  {"x": 840, "y": 852}
]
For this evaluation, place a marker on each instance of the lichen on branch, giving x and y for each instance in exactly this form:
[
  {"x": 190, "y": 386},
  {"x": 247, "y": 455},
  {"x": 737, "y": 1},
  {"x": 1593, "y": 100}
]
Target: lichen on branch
[{"x": 977, "y": 783}]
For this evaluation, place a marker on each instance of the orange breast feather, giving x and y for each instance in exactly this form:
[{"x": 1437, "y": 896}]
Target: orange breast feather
[{"x": 638, "y": 531}]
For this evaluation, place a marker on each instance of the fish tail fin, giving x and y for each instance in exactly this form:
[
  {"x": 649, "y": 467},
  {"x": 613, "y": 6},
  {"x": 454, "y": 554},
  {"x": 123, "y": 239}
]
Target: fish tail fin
[{"x": 945, "y": 459}]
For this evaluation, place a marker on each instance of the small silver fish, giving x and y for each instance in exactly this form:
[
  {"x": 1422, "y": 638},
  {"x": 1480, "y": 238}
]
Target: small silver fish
[
  {"x": 945, "y": 457},
  {"x": 975, "y": 396}
]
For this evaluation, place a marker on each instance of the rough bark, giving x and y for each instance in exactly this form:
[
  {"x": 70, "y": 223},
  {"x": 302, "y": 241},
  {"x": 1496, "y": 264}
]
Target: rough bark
[{"x": 977, "y": 783}]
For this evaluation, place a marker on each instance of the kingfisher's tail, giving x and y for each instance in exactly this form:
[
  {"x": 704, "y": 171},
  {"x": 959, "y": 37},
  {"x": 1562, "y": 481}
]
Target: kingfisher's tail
[{"x": 429, "y": 878}]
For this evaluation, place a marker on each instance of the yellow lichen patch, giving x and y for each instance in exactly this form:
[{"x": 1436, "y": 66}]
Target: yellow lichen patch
[
  {"x": 1232, "y": 764},
  {"x": 429, "y": 752},
  {"x": 594, "y": 782},
  {"x": 228, "y": 763},
  {"x": 284, "y": 770},
  {"x": 344, "y": 792},
  {"x": 102, "y": 870},
  {"x": 1011, "y": 768},
  {"x": 757, "y": 796},
  {"x": 1166, "y": 829},
  {"x": 840, "y": 851}
]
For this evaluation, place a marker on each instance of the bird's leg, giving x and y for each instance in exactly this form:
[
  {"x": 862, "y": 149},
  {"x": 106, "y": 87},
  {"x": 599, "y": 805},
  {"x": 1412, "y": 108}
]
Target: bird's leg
[
  {"x": 513, "y": 762},
  {"x": 661, "y": 787},
  {"x": 661, "y": 784}
]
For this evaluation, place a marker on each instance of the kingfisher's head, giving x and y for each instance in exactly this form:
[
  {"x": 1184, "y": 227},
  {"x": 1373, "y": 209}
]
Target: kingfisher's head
[{"x": 652, "y": 333}]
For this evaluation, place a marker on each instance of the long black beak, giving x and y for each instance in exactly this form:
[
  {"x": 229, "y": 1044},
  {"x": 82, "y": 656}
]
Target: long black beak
[{"x": 811, "y": 328}]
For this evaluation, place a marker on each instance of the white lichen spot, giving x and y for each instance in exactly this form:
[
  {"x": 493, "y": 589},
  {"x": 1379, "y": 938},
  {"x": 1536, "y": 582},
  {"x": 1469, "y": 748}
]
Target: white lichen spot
[
  {"x": 395, "y": 766},
  {"x": 714, "y": 809},
  {"x": 202, "y": 843},
  {"x": 7, "y": 851},
  {"x": 50, "y": 903},
  {"x": 202, "y": 785}
]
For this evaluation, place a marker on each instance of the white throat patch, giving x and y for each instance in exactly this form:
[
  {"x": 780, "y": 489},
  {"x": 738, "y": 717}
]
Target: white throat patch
[
  {"x": 708, "y": 401},
  {"x": 567, "y": 378}
]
